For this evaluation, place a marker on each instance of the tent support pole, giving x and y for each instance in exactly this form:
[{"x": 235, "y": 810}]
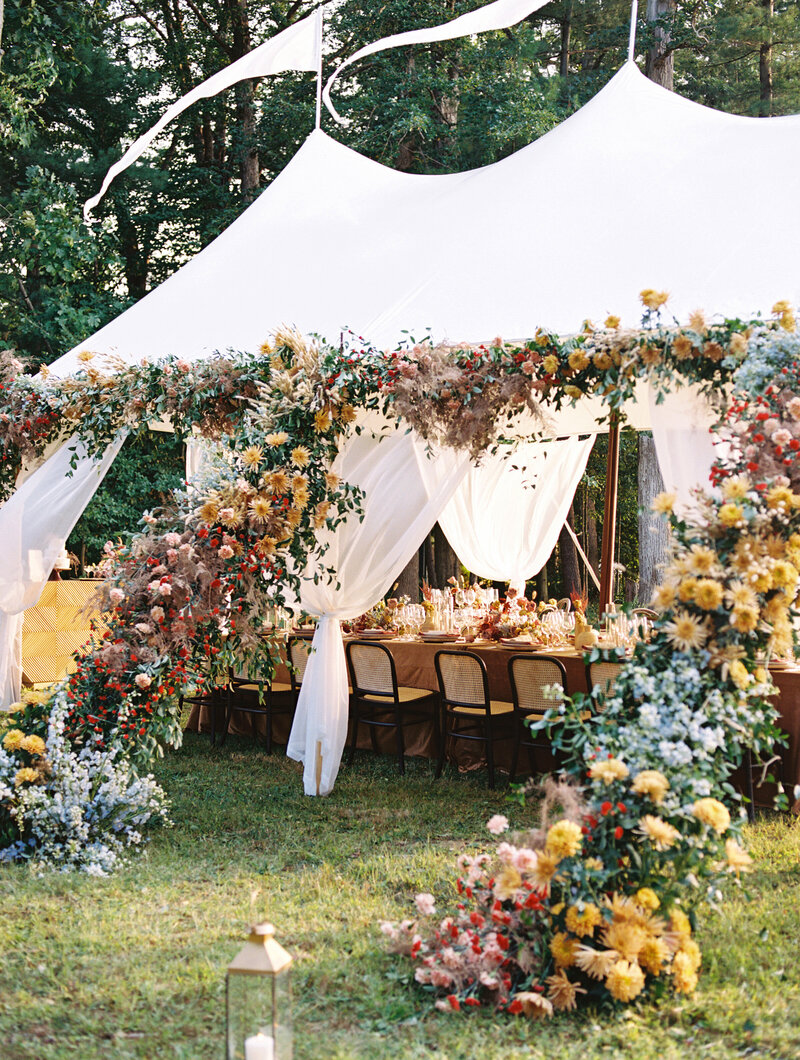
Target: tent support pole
[{"x": 610, "y": 517}]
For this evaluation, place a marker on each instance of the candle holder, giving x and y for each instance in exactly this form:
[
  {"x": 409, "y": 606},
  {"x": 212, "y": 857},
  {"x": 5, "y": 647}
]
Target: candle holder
[{"x": 258, "y": 999}]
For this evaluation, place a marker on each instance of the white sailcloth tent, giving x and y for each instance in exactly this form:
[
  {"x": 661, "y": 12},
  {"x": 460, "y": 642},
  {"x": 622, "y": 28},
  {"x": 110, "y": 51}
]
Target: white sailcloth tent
[{"x": 638, "y": 188}]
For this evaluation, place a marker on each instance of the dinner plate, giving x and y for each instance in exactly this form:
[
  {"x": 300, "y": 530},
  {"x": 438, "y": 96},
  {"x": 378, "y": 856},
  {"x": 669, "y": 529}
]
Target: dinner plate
[
  {"x": 439, "y": 637},
  {"x": 519, "y": 645},
  {"x": 376, "y": 634}
]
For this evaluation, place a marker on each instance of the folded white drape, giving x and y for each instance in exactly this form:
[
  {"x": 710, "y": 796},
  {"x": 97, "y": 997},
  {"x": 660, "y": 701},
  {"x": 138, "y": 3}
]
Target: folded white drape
[
  {"x": 504, "y": 518},
  {"x": 35, "y": 522},
  {"x": 499, "y": 15},
  {"x": 685, "y": 446},
  {"x": 405, "y": 492},
  {"x": 295, "y": 48}
]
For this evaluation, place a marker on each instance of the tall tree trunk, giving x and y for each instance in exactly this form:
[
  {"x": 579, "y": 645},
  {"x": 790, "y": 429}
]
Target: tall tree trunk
[
  {"x": 660, "y": 63},
  {"x": 765, "y": 62},
  {"x": 2, "y": 5},
  {"x": 570, "y": 569},
  {"x": 653, "y": 528},
  {"x": 249, "y": 168},
  {"x": 446, "y": 561},
  {"x": 542, "y": 592},
  {"x": 408, "y": 582},
  {"x": 566, "y": 31}
]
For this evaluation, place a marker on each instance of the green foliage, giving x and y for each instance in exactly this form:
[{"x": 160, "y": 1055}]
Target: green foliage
[{"x": 148, "y": 468}]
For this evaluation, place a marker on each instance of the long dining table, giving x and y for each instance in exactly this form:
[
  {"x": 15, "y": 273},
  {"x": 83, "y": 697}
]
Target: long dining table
[{"x": 414, "y": 664}]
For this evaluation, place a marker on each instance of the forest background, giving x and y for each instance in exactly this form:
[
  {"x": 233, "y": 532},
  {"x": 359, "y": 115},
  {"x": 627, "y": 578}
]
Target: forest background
[{"x": 80, "y": 79}]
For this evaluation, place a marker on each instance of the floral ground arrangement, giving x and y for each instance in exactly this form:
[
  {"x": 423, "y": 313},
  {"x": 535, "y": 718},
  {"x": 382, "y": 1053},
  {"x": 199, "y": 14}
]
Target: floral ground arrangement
[
  {"x": 600, "y": 903},
  {"x": 132, "y": 966}
]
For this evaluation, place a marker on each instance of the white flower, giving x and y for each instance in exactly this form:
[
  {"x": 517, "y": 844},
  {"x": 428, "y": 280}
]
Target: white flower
[{"x": 425, "y": 904}]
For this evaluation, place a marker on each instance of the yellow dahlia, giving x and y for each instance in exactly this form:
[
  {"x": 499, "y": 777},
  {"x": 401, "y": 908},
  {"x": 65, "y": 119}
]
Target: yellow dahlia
[
  {"x": 33, "y": 745},
  {"x": 564, "y": 949},
  {"x": 583, "y": 921},
  {"x": 26, "y": 775},
  {"x": 713, "y": 813},
  {"x": 12, "y": 741},
  {"x": 625, "y": 981},
  {"x": 652, "y": 784},
  {"x": 647, "y": 898},
  {"x": 608, "y": 770},
  {"x": 564, "y": 839},
  {"x": 660, "y": 833}
]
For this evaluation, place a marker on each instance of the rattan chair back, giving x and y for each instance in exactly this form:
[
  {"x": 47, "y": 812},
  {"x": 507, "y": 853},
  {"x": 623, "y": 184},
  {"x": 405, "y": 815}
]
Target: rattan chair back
[
  {"x": 298, "y": 650},
  {"x": 371, "y": 668},
  {"x": 603, "y": 674},
  {"x": 462, "y": 678},
  {"x": 529, "y": 675}
]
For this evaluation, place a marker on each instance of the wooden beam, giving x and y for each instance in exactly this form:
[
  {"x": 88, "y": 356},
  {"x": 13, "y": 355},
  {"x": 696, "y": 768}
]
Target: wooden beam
[{"x": 610, "y": 517}]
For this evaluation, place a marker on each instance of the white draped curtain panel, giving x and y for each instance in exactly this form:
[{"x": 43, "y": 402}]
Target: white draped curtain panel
[
  {"x": 685, "y": 446},
  {"x": 504, "y": 518},
  {"x": 35, "y": 523},
  {"x": 405, "y": 491}
]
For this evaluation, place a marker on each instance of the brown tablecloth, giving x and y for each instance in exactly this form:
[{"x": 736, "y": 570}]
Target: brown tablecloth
[{"x": 414, "y": 662}]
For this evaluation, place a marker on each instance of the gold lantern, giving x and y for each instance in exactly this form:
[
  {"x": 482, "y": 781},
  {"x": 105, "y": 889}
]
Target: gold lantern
[{"x": 258, "y": 999}]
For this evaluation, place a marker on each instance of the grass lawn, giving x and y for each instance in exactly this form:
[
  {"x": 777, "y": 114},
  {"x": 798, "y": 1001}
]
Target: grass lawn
[{"x": 134, "y": 965}]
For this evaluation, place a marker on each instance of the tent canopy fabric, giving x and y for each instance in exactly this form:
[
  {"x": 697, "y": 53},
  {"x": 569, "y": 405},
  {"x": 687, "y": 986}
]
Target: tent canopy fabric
[{"x": 639, "y": 188}]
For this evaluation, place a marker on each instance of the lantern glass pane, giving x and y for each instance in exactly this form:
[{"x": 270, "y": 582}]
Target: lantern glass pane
[{"x": 259, "y": 1004}]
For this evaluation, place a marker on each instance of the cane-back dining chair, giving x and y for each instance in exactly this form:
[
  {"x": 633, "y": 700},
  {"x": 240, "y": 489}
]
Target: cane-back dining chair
[
  {"x": 468, "y": 712},
  {"x": 528, "y": 676},
  {"x": 603, "y": 675},
  {"x": 256, "y": 695},
  {"x": 378, "y": 702},
  {"x": 298, "y": 650}
]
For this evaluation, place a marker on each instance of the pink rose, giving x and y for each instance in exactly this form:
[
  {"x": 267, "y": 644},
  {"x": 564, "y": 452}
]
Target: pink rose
[
  {"x": 425, "y": 904},
  {"x": 116, "y": 596},
  {"x": 143, "y": 681},
  {"x": 497, "y": 824},
  {"x": 157, "y": 614},
  {"x": 225, "y": 552}
]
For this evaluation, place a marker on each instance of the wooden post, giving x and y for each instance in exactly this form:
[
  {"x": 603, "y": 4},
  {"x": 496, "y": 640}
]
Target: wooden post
[{"x": 610, "y": 517}]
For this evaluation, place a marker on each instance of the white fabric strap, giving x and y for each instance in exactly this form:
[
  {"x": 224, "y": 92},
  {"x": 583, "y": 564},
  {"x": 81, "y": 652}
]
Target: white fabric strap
[
  {"x": 499, "y": 15},
  {"x": 10, "y": 659},
  {"x": 295, "y": 48},
  {"x": 632, "y": 34}
]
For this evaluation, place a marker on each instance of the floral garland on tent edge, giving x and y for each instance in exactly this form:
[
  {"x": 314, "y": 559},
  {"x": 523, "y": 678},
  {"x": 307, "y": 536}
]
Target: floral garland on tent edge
[{"x": 173, "y": 581}]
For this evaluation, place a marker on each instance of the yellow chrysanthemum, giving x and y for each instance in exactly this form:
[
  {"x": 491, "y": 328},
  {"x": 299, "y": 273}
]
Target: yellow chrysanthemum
[
  {"x": 85, "y": 356},
  {"x": 738, "y": 343},
  {"x": 612, "y": 322},
  {"x": 660, "y": 833},
  {"x": 626, "y": 937},
  {"x": 562, "y": 991},
  {"x": 652, "y": 784},
  {"x": 686, "y": 589},
  {"x": 545, "y": 869},
  {"x": 781, "y": 498},
  {"x": 650, "y": 355},
  {"x": 564, "y": 949},
  {"x": 322, "y": 420},
  {"x": 684, "y": 977},
  {"x": 744, "y": 619},
  {"x": 738, "y": 859},
  {"x": 708, "y": 594},
  {"x": 653, "y": 955},
  {"x": 664, "y": 502},
  {"x": 507, "y": 883},
  {"x": 208, "y": 512},
  {"x": 260, "y": 509},
  {"x": 582, "y": 922},
  {"x": 601, "y": 360},
  {"x": 625, "y": 981},
  {"x": 653, "y": 299},
  {"x": 564, "y": 839},
  {"x": 266, "y": 546},
  {"x": 595, "y": 963},
  {"x": 608, "y": 770},
  {"x": 741, "y": 595},
  {"x": 276, "y": 439},
  {"x": 279, "y": 482},
  {"x": 665, "y": 597},
  {"x": 679, "y": 923},
  {"x": 781, "y": 307},
  {"x": 713, "y": 813},
  {"x": 736, "y": 488},
  {"x": 301, "y": 456},
  {"x": 332, "y": 480},
  {"x": 647, "y": 898},
  {"x": 550, "y": 364},
  {"x": 26, "y": 775},
  {"x": 33, "y": 745},
  {"x": 701, "y": 560},
  {"x": 578, "y": 360},
  {"x": 12, "y": 741},
  {"x": 731, "y": 515},
  {"x": 347, "y": 414},
  {"x": 253, "y": 455},
  {"x": 784, "y": 575},
  {"x": 686, "y": 632},
  {"x": 738, "y": 673}
]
